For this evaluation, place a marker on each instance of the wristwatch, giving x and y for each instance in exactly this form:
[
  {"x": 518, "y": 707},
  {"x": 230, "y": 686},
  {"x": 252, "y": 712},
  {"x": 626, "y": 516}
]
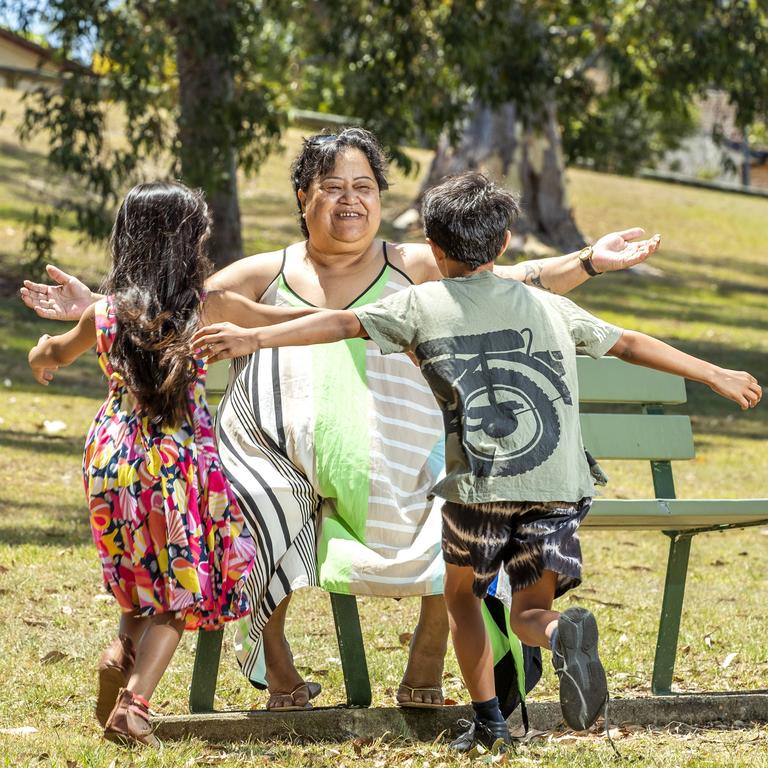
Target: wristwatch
[{"x": 585, "y": 257}]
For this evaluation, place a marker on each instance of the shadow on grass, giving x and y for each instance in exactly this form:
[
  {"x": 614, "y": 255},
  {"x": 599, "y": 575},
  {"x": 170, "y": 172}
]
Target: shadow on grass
[
  {"x": 38, "y": 444},
  {"x": 83, "y": 378},
  {"x": 48, "y": 523},
  {"x": 675, "y": 300}
]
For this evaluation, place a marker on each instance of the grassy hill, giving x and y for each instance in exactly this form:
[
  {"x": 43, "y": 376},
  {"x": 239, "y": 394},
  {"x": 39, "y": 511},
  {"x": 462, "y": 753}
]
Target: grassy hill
[{"x": 709, "y": 298}]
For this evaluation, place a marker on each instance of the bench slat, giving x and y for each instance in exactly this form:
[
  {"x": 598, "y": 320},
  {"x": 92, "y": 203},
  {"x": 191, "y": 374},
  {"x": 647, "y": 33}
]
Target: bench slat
[
  {"x": 609, "y": 380},
  {"x": 675, "y": 514},
  {"x": 634, "y": 436}
]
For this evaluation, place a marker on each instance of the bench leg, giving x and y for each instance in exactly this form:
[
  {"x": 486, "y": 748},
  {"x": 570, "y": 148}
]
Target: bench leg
[
  {"x": 671, "y": 610},
  {"x": 351, "y": 650},
  {"x": 205, "y": 671}
]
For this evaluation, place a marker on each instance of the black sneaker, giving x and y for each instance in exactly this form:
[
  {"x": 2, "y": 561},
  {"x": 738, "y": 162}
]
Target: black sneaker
[
  {"x": 583, "y": 687},
  {"x": 480, "y": 732}
]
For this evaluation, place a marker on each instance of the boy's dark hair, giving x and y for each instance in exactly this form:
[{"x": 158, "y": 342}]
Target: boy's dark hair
[
  {"x": 468, "y": 217},
  {"x": 159, "y": 267},
  {"x": 318, "y": 156}
]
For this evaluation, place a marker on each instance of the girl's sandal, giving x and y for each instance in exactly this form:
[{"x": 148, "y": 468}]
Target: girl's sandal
[
  {"x": 115, "y": 667},
  {"x": 129, "y": 722}
]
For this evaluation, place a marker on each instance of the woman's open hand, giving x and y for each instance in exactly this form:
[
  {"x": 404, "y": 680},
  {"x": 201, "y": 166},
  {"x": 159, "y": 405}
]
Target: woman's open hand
[
  {"x": 614, "y": 251},
  {"x": 67, "y": 300}
]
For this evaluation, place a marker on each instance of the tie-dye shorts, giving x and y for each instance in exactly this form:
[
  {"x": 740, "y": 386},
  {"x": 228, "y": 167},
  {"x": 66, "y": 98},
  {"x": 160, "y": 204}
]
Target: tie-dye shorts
[{"x": 527, "y": 538}]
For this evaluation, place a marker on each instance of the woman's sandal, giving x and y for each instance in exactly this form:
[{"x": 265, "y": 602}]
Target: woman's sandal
[
  {"x": 129, "y": 723},
  {"x": 115, "y": 666},
  {"x": 410, "y": 703},
  {"x": 312, "y": 689}
]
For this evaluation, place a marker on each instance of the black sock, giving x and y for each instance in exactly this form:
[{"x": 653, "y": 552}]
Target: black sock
[{"x": 488, "y": 711}]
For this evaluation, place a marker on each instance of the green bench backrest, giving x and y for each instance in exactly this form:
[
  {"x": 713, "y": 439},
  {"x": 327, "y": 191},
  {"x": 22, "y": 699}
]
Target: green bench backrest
[
  {"x": 648, "y": 435},
  {"x": 607, "y": 381}
]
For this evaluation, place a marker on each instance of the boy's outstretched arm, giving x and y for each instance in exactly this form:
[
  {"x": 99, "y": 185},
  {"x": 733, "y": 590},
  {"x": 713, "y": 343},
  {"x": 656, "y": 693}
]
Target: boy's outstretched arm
[
  {"x": 637, "y": 348},
  {"x": 53, "y": 351},
  {"x": 224, "y": 340}
]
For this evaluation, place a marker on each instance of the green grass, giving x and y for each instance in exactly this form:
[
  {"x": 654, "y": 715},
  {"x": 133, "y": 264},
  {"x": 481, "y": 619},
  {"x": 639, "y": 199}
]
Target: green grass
[{"x": 710, "y": 300}]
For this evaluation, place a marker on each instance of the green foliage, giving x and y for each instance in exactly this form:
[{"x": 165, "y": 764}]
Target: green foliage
[
  {"x": 38, "y": 241},
  {"x": 136, "y": 47},
  {"x": 201, "y": 81}
]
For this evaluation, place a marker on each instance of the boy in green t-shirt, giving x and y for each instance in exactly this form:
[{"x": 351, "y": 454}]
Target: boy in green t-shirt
[{"x": 500, "y": 358}]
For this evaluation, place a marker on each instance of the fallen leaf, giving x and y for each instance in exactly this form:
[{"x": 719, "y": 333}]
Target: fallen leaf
[
  {"x": 53, "y": 657},
  {"x": 728, "y": 660},
  {"x": 35, "y": 623},
  {"x": 4, "y": 569},
  {"x": 708, "y": 640},
  {"x": 450, "y": 702},
  {"x": 53, "y": 427},
  {"x": 359, "y": 744},
  {"x": 405, "y": 637},
  {"x": 685, "y": 650},
  {"x": 718, "y": 562},
  {"x": 743, "y": 554},
  {"x": 310, "y": 671}
]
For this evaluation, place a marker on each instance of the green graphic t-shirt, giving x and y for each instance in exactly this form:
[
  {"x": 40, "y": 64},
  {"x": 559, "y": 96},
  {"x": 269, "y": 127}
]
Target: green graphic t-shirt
[{"x": 500, "y": 358}]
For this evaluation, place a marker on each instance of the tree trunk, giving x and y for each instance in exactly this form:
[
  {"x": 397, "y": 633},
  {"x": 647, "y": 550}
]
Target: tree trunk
[
  {"x": 529, "y": 160},
  {"x": 207, "y": 152}
]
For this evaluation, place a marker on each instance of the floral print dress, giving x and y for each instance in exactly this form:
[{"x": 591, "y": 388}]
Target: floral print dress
[{"x": 169, "y": 532}]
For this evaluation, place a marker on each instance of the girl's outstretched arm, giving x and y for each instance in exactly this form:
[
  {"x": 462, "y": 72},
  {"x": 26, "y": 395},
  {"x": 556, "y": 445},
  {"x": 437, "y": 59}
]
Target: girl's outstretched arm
[
  {"x": 53, "y": 351},
  {"x": 637, "y": 348},
  {"x": 224, "y": 340},
  {"x": 227, "y": 306}
]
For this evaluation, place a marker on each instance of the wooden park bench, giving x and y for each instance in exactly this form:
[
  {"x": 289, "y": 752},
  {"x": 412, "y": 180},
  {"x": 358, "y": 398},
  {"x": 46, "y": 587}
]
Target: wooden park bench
[{"x": 647, "y": 434}]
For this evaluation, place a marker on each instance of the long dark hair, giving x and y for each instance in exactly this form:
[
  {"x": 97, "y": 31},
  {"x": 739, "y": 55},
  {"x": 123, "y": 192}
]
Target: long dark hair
[{"x": 158, "y": 270}]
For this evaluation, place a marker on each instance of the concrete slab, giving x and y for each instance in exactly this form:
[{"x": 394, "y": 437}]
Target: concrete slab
[{"x": 339, "y": 724}]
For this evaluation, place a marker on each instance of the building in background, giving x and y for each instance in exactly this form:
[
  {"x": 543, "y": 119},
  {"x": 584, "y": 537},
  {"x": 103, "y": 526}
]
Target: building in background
[
  {"x": 717, "y": 151},
  {"x": 24, "y": 64}
]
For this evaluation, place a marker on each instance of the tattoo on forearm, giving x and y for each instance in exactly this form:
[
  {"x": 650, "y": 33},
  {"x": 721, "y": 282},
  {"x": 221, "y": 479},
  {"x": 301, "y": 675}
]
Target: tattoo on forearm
[{"x": 532, "y": 277}]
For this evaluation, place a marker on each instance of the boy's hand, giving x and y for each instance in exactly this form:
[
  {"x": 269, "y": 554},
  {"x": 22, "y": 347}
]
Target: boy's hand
[
  {"x": 41, "y": 374},
  {"x": 65, "y": 301},
  {"x": 739, "y": 386},
  {"x": 614, "y": 251},
  {"x": 224, "y": 340}
]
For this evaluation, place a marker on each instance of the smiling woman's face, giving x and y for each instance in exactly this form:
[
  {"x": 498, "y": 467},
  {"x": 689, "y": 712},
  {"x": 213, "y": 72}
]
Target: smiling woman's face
[{"x": 343, "y": 208}]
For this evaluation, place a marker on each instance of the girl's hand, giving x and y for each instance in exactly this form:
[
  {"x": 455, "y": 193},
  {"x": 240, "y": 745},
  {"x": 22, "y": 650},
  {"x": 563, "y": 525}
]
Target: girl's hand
[
  {"x": 42, "y": 374},
  {"x": 739, "y": 386},
  {"x": 224, "y": 340}
]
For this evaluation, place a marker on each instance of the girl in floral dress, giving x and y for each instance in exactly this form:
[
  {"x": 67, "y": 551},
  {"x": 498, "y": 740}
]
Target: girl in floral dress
[{"x": 173, "y": 546}]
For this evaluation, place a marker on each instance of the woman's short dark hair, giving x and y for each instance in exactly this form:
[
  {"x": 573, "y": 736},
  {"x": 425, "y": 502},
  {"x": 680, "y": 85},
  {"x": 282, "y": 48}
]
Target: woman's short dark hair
[
  {"x": 318, "y": 156},
  {"x": 468, "y": 217}
]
